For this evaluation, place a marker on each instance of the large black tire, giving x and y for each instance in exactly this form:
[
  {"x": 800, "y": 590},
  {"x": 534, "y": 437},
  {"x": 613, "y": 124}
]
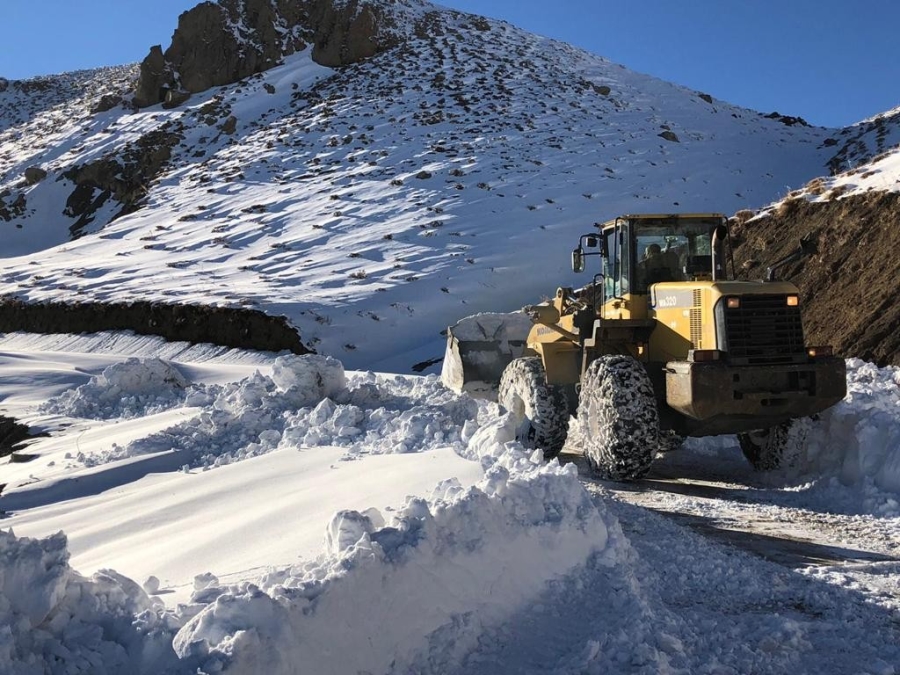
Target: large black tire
[
  {"x": 618, "y": 423},
  {"x": 541, "y": 410},
  {"x": 778, "y": 447}
]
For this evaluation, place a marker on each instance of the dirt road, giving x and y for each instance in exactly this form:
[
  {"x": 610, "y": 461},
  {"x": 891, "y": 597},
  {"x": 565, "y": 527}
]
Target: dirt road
[{"x": 710, "y": 489}]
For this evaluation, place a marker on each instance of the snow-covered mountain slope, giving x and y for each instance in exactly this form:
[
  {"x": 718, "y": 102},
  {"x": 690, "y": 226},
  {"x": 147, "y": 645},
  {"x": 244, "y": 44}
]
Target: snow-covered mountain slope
[
  {"x": 867, "y": 160},
  {"x": 375, "y": 204}
]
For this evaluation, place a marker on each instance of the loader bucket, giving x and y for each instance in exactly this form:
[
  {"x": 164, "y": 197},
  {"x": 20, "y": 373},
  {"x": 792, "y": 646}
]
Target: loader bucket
[{"x": 479, "y": 347}]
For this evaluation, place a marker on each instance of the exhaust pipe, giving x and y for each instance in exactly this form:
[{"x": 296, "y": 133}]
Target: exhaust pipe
[{"x": 718, "y": 252}]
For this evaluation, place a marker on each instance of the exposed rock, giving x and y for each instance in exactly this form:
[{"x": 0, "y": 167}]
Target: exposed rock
[
  {"x": 175, "y": 98},
  {"x": 216, "y": 44},
  {"x": 345, "y": 35},
  {"x": 34, "y": 174},
  {"x": 787, "y": 120},
  {"x": 34, "y": 85},
  {"x": 12, "y": 207},
  {"x": 230, "y": 125},
  {"x": 706, "y": 97},
  {"x": 107, "y": 102},
  {"x": 12, "y": 433},
  {"x": 4, "y": 84},
  {"x": 124, "y": 176},
  {"x": 153, "y": 82},
  {"x": 669, "y": 136},
  {"x": 863, "y": 142}
]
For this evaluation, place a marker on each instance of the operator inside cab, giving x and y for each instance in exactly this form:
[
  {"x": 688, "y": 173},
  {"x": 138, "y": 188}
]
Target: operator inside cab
[{"x": 656, "y": 266}]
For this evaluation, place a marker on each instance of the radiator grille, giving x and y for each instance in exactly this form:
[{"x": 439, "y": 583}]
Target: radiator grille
[
  {"x": 697, "y": 328},
  {"x": 764, "y": 329},
  {"x": 697, "y": 320}
]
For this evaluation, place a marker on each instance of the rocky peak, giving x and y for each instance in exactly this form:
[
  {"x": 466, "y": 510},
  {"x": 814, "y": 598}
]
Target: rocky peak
[{"x": 221, "y": 43}]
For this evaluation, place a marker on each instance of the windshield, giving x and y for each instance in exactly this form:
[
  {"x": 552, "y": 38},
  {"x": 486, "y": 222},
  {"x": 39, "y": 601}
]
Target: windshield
[{"x": 671, "y": 252}]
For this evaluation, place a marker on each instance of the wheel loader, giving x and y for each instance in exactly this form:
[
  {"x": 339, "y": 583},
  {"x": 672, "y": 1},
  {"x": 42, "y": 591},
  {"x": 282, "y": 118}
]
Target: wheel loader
[{"x": 663, "y": 343}]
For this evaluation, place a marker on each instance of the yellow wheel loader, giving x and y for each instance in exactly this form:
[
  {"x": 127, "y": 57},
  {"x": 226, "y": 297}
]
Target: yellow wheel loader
[{"x": 663, "y": 344}]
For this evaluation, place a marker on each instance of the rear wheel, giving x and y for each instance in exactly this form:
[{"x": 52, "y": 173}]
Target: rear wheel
[
  {"x": 540, "y": 409},
  {"x": 778, "y": 447},
  {"x": 618, "y": 423}
]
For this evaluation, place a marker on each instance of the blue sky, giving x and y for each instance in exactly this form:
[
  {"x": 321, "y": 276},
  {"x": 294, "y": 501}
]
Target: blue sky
[{"x": 831, "y": 62}]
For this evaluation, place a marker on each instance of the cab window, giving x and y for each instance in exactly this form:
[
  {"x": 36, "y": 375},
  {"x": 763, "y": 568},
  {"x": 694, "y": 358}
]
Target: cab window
[{"x": 617, "y": 266}]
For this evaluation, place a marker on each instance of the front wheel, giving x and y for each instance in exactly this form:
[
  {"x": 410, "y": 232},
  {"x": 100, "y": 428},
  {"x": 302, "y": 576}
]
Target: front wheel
[
  {"x": 540, "y": 409},
  {"x": 617, "y": 421}
]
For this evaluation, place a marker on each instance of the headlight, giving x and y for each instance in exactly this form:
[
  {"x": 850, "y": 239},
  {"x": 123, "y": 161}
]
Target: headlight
[{"x": 826, "y": 350}]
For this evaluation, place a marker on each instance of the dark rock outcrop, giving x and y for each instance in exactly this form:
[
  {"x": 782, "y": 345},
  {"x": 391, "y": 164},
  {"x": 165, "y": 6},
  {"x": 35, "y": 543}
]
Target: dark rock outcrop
[
  {"x": 107, "y": 102},
  {"x": 787, "y": 120},
  {"x": 155, "y": 79},
  {"x": 229, "y": 327},
  {"x": 12, "y": 206},
  {"x": 221, "y": 43},
  {"x": 34, "y": 174},
  {"x": 124, "y": 176}
]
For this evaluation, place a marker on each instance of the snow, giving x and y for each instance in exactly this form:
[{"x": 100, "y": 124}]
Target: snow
[
  {"x": 201, "y": 509},
  {"x": 180, "y": 536}
]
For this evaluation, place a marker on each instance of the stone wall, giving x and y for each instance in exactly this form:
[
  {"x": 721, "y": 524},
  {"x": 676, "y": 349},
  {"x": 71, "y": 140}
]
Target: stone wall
[{"x": 228, "y": 327}]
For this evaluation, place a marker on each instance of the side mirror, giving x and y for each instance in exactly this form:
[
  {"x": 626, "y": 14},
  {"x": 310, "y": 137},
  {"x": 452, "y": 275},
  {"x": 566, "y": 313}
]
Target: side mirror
[
  {"x": 591, "y": 241},
  {"x": 578, "y": 260}
]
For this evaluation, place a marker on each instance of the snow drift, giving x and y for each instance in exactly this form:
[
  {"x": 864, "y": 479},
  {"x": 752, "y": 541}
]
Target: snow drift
[
  {"x": 411, "y": 589},
  {"x": 429, "y": 582}
]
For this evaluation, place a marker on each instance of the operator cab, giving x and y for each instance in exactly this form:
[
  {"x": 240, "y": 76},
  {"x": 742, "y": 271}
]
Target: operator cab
[
  {"x": 646, "y": 250},
  {"x": 638, "y": 251}
]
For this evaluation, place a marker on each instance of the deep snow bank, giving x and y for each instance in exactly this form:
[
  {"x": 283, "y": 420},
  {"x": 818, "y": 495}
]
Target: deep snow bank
[
  {"x": 53, "y": 620},
  {"x": 419, "y": 591},
  {"x": 133, "y": 388},
  {"x": 416, "y": 590},
  {"x": 857, "y": 442},
  {"x": 309, "y": 401},
  {"x": 404, "y": 590}
]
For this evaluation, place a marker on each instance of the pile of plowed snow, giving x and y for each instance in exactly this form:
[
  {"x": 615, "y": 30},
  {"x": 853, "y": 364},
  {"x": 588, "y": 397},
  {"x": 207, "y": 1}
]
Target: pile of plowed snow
[
  {"x": 398, "y": 591},
  {"x": 433, "y": 576},
  {"x": 852, "y": 460},
  {"x": 307, "y": 401}
]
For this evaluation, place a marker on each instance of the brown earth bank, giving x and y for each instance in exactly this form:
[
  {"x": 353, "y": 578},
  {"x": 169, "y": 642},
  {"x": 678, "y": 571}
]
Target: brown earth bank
[
  {"x": 228, "y": 327},
  {"x": 849, "y": 288}
]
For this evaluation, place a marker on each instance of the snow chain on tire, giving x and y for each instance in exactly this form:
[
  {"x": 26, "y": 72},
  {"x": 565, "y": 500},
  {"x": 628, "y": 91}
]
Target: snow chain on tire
[
  {"x": 541, "y": 410},
  {"x": 778, "y": 447},
  {"x": 617, "y": 420}
]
